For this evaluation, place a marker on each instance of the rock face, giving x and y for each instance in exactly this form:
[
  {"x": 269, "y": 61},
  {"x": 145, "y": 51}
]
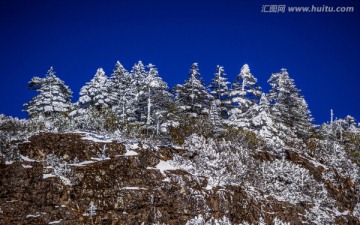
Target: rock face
[{"x": 128, "y": 185}]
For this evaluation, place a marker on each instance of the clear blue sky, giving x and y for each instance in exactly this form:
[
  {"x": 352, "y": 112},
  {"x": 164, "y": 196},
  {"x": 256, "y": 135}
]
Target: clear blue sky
[{"x": 320, "y": 50}]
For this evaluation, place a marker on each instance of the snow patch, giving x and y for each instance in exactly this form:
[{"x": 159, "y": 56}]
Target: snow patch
[
  {"x": 55, "y": 222},
  {"x": 317, "y": 164},
  {"x": 130, "y": 153},
  {"x": 134, "y": 188},
  {"x": 96, "y": 138},
  {"x": 27, "y": 159},
  {"x": 337, "y": 213},
  {"x": 164, "y": 165},
  {"x": 132, "y": 146},
  {"x": 48, "y": 175},
  {"x": 65, "y": 180},
  {"x": 84, "y": 163},
  {"x": 100, "y": 159},
  {"x": 9, "y": 162},
  {"x": 33, "y": 216},
  {"x": 26, "y": 166}
]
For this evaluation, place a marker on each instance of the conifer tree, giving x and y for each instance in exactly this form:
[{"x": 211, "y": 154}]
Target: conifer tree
[
  {"x": 289, "y": 106},
  {"x": 122, "y": 93},
  {"x": 154, "y": 99},
  {"x": 263, "y": 123},
  {"x": 351, "y": 124},
  {"x": 138, "y": 74},
  {"x": 244, "y": 94},
  {"x": 54, "y": 96},
  {"x": 192, "y": 97},
  {"x": 220, "y": 92},
  {"x": 214, "y": 114},
  {"x": 96, "y": 93}
]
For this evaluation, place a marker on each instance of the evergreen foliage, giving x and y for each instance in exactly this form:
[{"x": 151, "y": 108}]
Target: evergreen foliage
[
  {"x": 54, "y": 96},
  {"x": 192, "y": 97},
  {"x": 289, "y": 106},
  {"x": 220, "y": 92},
  {"x": 121, "y": 92},
  {"x": 96, "y": 93},
  {"x": 263, "y": 143},
  {"x": 140, "y": 102},
  {"x": 244, "y": 94}
]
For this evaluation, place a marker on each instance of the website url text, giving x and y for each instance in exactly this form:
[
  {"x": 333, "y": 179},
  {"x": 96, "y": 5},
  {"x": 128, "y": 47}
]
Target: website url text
[{"x": 306, "y": 9}]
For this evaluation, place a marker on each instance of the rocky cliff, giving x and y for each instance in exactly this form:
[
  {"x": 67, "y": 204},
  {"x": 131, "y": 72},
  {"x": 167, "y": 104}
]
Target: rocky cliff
[{"x": 75, "y": 178}]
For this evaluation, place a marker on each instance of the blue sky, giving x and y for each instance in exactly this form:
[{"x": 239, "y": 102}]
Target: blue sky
[{"x": 320, "y": 50}]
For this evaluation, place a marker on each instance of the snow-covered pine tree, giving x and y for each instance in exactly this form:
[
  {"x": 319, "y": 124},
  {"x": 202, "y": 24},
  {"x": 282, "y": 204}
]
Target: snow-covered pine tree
[
  {"x": 244, "y": 94},
  {"x": 154, "y": 99},
  {"x": 264, "y": 104},
  {"x": 332, "y": 131},
  {"x": 351, "y": 124},
  {"x": 289, "y": 106},
  {"x": 192, "y": 97},
  {"x": 96, "y": 93},
  {"x": 303, "y": 118},
  {"x": 338, "y": 127},
  {"x": 214, "y": 114},
  {"x": 121, "y": 91},
  {"x": 138, "y": 74},
  {"x": 54, "y": 96},
  {"x": 220, "y": 92},
  {"x": 95, "y": 105},
  {"x": 261, "y": 121}
]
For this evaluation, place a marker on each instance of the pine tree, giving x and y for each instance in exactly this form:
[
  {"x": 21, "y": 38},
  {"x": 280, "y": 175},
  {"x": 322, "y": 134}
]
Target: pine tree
[
  {"x": 220, "y": 92},
  {"x": 122, "y": 93},
  {"x": 351, "y": 124},
  {"x": 154, "y": 99},
  {"x": 262, "y": 122},
  {"x": 214, "y": 114},
  {"x": 138, "y": 74},
  {"x": 244, "y": 93},
  {"x": 96, "y": 93},
  {"x": 54, "y": 96},
  {"x": 192, "y": 97},
  {"x": 289, "y": 106},
  {"x": 256, "y": 116}
]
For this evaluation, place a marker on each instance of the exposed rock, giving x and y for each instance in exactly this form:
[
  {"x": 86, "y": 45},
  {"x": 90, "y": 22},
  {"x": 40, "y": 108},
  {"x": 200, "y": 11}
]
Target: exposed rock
[
  {"x": 344, "y": 193},
  {"x": 68, "y": 146},
  {"x": 128, "y": 189}
]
